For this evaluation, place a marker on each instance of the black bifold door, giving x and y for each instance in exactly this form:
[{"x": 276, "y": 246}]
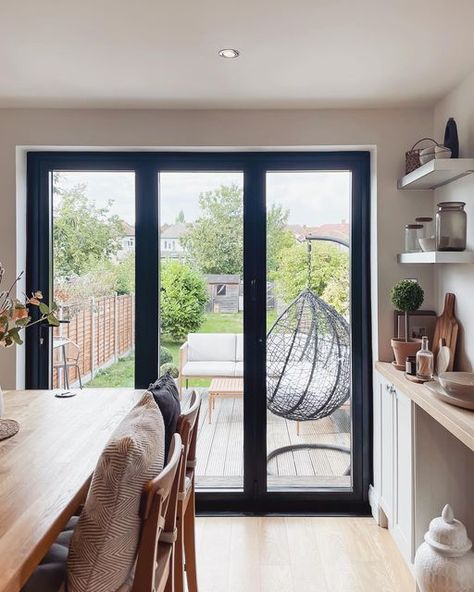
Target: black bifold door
[{"x": 244, "y": 275}]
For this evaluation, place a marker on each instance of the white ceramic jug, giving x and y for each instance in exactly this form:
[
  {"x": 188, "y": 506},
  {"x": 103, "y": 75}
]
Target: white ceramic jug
[{"x": 445, "y": 561}]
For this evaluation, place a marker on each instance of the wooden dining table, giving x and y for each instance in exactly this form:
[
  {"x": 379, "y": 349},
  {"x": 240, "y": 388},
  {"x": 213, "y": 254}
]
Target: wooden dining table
[{"x": 45, "y": 469}]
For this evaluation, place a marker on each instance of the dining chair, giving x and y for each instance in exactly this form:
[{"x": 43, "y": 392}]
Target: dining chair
[
  {"x": 185, "y": 560},
  {"x": 154, "y": 567},
  {"x": 154, "y": 570},
  {"x": 71, "y": 352}
]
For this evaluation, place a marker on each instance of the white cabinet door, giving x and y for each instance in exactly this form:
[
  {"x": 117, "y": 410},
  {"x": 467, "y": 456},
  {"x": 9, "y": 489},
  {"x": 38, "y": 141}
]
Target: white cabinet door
[
  {"x": 403, "y": 475},
  {"x": 386, "y": 448}
]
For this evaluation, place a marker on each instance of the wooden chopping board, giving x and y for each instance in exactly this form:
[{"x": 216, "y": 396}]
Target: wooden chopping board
[{"x": 446, "y": 329}]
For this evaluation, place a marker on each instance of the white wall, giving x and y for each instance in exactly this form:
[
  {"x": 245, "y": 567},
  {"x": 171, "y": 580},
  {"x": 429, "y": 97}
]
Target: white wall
[
  {"x": 459, "y": 278},
  {"x": 390, "y": 132}
]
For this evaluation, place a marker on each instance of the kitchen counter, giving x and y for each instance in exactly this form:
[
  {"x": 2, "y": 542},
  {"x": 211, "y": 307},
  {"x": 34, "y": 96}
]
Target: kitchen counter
[{"x": 459, "y": 422}]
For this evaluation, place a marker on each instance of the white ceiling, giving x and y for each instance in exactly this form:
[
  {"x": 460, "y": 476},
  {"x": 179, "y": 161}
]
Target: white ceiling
[{"x": 294, "y": 53}]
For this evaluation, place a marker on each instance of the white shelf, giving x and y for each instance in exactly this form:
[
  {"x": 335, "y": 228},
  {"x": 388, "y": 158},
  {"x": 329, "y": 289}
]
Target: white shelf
[
  {"x": 436, "y": 173},
  {"x": 437, "y": 257}
]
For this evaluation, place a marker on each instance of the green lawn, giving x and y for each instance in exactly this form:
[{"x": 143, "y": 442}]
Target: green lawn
[{"x": 121, "y": 373}]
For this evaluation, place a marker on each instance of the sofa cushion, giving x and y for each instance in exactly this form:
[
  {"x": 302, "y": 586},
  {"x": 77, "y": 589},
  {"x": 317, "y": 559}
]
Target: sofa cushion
[
  {"x": 104, "y": 544},
  {"x": 209, "y": 369},
  {"x": 214, "y": 347},
  {"x": 239, "y": 369},
  {"x": 239, "y": 347}
]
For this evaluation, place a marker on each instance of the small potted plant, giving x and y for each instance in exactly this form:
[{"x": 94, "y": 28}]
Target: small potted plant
[{"x": 406, "y": 296}]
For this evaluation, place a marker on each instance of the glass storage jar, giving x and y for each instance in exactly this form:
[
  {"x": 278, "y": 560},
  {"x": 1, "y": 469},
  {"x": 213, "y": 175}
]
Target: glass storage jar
[
  {"x": 451, "y": 224},
  {"x": 412, "y": 234},
  {"x": 428, "y": 227}
]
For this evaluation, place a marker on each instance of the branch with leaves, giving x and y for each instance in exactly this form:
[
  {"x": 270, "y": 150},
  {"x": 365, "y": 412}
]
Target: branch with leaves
[{"x": 15, "y": 314}]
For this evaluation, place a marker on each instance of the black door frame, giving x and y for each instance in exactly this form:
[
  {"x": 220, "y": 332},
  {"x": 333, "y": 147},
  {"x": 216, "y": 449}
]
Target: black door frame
[{"x": 254, "y": 498}]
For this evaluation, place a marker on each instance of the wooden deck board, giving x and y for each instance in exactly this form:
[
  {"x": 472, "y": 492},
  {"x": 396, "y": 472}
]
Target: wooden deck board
[{"x": 220, "y": 449}]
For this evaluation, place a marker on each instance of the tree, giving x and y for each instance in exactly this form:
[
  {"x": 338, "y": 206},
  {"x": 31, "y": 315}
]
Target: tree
[
  {"x": 180, "y": 217},
  {"x": 329, "y": 277},
  {"x": 278, "y": 237},
  {"x": 83, "y": 234},
  {"x": 215, "y": 241},
  {"x": 183, "y": 297}
]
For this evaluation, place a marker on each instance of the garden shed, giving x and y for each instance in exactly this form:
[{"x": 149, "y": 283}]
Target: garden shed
[{"x": 223, "y": 292}]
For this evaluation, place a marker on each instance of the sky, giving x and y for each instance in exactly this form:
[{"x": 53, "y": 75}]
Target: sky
[{"x": 312, "y": 198}]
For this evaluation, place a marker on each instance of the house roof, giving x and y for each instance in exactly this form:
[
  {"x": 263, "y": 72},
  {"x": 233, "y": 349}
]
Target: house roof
[
  {"x": 222, "y": 278},
  {"x": 174, "y": 231},
  {"x": 128, "y": 229},
  {"x": 341, "y": 230}
]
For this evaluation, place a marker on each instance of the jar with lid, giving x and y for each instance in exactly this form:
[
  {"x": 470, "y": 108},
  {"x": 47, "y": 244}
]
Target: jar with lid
[
  {"x": 412, "y": 234},
  {"x": 451, "y": 225},
  {"x": 428, "y": 226}
]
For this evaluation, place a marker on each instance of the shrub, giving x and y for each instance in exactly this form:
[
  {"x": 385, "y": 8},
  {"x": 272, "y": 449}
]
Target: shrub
[
  {"x": 165, "y": 355},
  {"x": 183, "y": 297},
  {"x": 171, "y": 368}
]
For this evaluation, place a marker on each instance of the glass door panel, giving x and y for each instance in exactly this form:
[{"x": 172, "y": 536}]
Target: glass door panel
[
  {"x": 201, "y": 311},
  {"x": 309, "y": 415},
  {"x": 93, "y": 256}
]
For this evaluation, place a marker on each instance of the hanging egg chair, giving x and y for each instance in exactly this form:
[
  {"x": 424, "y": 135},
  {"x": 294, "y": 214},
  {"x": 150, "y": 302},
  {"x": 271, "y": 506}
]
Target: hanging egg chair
[{"x": 308, "y": 361}]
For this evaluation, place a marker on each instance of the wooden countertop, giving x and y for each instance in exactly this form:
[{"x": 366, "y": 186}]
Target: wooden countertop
[
  {"x": 45, "y": 468},
  {"x": 459, "y": 422}
]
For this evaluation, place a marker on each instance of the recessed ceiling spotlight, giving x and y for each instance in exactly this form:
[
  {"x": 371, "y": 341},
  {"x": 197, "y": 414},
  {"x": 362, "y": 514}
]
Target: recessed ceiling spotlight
[{"x": 229, "y": 54}]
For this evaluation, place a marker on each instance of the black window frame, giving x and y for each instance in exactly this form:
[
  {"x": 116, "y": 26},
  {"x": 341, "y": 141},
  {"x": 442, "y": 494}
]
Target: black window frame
[{"x": 254, "y": 498}]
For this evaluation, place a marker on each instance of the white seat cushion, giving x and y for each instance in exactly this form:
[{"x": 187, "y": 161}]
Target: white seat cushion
[
  {"x": 104, "y": 544},
  {"x": 239, "y": 369},
  {"x": 209, "y": 369},
  {"x": 211, "y": 347},
  {"x": 239, "y": 347}
]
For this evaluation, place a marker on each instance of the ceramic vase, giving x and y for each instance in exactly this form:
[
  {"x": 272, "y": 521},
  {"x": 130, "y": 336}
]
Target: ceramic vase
[{"x": 445, "y": 561}]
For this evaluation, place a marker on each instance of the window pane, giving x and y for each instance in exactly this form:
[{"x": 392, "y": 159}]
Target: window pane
[
  {"x": 308, "y": 329},
  {"x": 201, "y": 242},
  {"x": 94, "y": 279}
]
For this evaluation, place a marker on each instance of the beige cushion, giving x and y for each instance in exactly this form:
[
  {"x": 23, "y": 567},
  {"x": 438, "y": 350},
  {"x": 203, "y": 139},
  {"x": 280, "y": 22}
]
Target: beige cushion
[
  {"x": 104, "y": 544},
  {"x": 209, "y": 369},
  {"x": 211, "y": 347}
]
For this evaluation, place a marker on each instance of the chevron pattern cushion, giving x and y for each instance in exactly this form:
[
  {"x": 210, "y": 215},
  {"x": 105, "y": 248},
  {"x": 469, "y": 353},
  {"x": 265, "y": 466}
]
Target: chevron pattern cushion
[{"x": 105, "y": 540}]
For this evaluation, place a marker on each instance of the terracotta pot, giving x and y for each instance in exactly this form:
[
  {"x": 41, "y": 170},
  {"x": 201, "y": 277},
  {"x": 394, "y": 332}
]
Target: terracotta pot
[{"x": 402, "y": 349}]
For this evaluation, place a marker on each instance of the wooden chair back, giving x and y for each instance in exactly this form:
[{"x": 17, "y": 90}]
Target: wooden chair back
[
  {"x": 187, "y": 428},
  {"x": 158, "y": 511}
]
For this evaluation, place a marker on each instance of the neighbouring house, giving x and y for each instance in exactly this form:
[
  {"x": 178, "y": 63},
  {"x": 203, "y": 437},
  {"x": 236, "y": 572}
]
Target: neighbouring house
[
  {"x": 127, "y": 243},
  {"x": 171, "y": 246},
  {"x": 224, "y": 291}
]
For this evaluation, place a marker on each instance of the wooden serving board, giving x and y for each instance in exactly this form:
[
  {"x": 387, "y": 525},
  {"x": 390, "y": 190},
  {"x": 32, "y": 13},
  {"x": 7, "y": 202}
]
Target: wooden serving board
[{"x": 446, "y": 329}]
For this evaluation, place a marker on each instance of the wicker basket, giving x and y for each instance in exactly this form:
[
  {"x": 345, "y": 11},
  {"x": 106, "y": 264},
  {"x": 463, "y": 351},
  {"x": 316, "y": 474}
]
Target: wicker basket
[{"x": 412, "y": 157}]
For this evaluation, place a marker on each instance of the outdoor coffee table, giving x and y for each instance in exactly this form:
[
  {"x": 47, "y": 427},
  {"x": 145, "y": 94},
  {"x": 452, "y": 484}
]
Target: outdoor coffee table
[{"x": 223, "y": 387}]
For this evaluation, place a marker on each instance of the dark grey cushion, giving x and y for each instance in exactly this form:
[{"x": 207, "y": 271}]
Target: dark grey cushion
[
  {"x": 49, "y": 577},
  {"x": 166, "y": 395}
]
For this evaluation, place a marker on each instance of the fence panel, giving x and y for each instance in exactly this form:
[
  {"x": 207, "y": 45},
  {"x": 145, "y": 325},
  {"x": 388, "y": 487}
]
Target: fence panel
[{"x": 103, "y": 330}]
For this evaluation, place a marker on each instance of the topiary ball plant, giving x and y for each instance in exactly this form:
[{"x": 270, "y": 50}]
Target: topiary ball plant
[{"x": 407, "y": 296}]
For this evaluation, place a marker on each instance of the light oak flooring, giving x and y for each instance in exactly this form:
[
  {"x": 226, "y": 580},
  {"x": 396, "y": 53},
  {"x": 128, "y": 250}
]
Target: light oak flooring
[
  {"x": 220, "y": 448},
  {"x": 275, "y": 554}
]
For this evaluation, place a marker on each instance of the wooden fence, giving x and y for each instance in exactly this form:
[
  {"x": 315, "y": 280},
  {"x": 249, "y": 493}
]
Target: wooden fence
[{"x": 103, "y": 330}]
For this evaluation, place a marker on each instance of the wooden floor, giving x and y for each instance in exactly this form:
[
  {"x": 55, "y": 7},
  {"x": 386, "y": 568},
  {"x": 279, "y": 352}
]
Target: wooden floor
[
  {"x": 298, "y": 555},
  {"x": 220, "y": 446}
]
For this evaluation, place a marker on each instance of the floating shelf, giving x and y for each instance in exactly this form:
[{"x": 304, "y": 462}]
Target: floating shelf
[
  {"x": 436, "y": 173},
  {"x": 437, "y": 257}
]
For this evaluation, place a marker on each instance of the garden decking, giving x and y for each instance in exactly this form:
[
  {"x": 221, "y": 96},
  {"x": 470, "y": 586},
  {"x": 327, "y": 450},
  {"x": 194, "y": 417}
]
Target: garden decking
[{"x": 220, "y": 448}]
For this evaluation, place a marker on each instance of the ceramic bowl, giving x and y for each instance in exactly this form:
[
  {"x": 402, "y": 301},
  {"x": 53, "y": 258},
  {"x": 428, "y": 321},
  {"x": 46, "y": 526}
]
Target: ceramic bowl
[
  {"x": 458, "y": 384},
  {"x": 427, "y": 244}
]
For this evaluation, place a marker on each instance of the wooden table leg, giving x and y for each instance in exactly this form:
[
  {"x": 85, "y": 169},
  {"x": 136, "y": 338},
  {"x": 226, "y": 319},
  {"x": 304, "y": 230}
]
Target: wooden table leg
[{"x": 209, "y": 407}]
